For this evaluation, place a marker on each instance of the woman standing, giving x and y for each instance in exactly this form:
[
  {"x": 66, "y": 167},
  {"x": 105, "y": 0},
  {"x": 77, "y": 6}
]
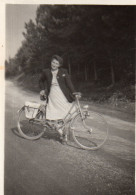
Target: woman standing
[{"x": 56, "y": 83}]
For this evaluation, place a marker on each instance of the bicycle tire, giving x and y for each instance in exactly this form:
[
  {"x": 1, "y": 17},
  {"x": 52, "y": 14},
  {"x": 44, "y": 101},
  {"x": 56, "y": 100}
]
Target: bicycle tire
[
  {"x": 27, "y": 129},
  {"x": 91, "y": 132}
]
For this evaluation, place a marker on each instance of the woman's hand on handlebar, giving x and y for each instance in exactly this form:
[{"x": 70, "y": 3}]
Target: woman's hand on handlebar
[
  {"x": 43, "y": 95},
  {"x": 77, "y": 94}
]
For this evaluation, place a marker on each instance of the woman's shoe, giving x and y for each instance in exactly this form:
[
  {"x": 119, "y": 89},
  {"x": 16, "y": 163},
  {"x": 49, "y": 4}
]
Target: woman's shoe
[{"x": 64, "y": 139}]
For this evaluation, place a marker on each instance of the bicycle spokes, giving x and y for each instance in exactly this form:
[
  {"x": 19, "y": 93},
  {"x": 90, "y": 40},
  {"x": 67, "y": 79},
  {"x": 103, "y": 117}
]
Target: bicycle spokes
[{"x": 90, "y": 132}]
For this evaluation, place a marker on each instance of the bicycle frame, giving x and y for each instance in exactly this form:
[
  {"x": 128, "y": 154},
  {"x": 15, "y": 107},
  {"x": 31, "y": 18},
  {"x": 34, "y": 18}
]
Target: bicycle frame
[
  {"x": 78, "y": 122},
  {"x": 74, "y": 111}
]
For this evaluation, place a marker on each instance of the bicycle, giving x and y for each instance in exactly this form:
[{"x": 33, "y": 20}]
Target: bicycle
[{"x": 88, "y": 129}]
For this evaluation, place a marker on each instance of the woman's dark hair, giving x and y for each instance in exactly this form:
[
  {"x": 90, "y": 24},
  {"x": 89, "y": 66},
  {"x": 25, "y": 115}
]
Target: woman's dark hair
[{"x": 58, "y": 58}]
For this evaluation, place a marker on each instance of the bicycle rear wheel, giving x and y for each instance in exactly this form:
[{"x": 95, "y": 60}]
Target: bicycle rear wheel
[
  {"x": 28, "y": 128},
  {"x": 91, "y": 132}
]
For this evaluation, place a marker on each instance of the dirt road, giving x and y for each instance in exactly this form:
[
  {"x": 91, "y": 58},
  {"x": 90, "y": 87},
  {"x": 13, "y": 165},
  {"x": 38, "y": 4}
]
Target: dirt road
[{"x": 46, "y": 167}]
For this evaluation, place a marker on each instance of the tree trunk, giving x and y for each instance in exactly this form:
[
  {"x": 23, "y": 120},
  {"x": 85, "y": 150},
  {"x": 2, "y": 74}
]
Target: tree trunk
[
  {"x": 78, "y": 71},
  {"x": 86, "y": 73},
  {"x": 95, "y": 72},
  {"x": 112, "y": 73},
  {"x": 69, "y": 66}
]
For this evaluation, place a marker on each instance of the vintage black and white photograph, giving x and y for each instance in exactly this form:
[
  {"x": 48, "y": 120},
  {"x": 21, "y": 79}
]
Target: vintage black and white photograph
[{"x": 69, "y": 99}]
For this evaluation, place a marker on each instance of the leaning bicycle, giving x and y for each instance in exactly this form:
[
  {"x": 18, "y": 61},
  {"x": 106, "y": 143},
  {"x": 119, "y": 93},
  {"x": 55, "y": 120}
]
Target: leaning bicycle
[{"x": 89, "y": 129}]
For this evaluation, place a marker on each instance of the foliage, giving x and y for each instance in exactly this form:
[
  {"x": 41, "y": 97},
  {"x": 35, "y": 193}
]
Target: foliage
[{"x": 84, "y": 35}]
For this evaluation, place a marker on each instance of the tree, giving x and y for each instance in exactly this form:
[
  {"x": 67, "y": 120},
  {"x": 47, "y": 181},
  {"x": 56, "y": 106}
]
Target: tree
[{"x": 89, "y": 38}]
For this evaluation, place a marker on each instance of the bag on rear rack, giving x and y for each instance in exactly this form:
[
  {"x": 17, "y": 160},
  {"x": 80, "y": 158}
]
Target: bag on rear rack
[{"x": 31, "y": 109}]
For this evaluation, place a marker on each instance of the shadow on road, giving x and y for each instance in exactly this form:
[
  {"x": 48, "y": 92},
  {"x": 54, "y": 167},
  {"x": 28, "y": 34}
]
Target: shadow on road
[
  {"x": 47, "y": 135},
  {"x": 50, "y": 136}
]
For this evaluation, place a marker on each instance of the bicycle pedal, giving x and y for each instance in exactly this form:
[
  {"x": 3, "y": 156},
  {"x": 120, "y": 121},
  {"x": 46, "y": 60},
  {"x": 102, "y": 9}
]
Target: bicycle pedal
[
  {"x": 72, "y": 128},
  {"x": 60, "y": 131},
  {"x": 90, "y": 130}
]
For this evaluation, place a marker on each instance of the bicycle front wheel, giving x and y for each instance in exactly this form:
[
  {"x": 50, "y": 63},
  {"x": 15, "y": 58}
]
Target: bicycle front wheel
[
  {"x": 91, "y": 132},
  {"x": 30, "y": 129}
]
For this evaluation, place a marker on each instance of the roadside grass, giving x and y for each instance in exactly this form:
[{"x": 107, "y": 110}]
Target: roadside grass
[{"x": 119, "y": 97}]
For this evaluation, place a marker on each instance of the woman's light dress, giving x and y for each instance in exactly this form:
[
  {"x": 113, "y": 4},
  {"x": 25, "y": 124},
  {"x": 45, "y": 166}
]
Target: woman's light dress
[{"x": 58, "y": 106}]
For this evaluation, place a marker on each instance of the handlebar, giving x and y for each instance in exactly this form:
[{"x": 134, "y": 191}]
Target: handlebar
[{"x": 77, "y": 95}]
